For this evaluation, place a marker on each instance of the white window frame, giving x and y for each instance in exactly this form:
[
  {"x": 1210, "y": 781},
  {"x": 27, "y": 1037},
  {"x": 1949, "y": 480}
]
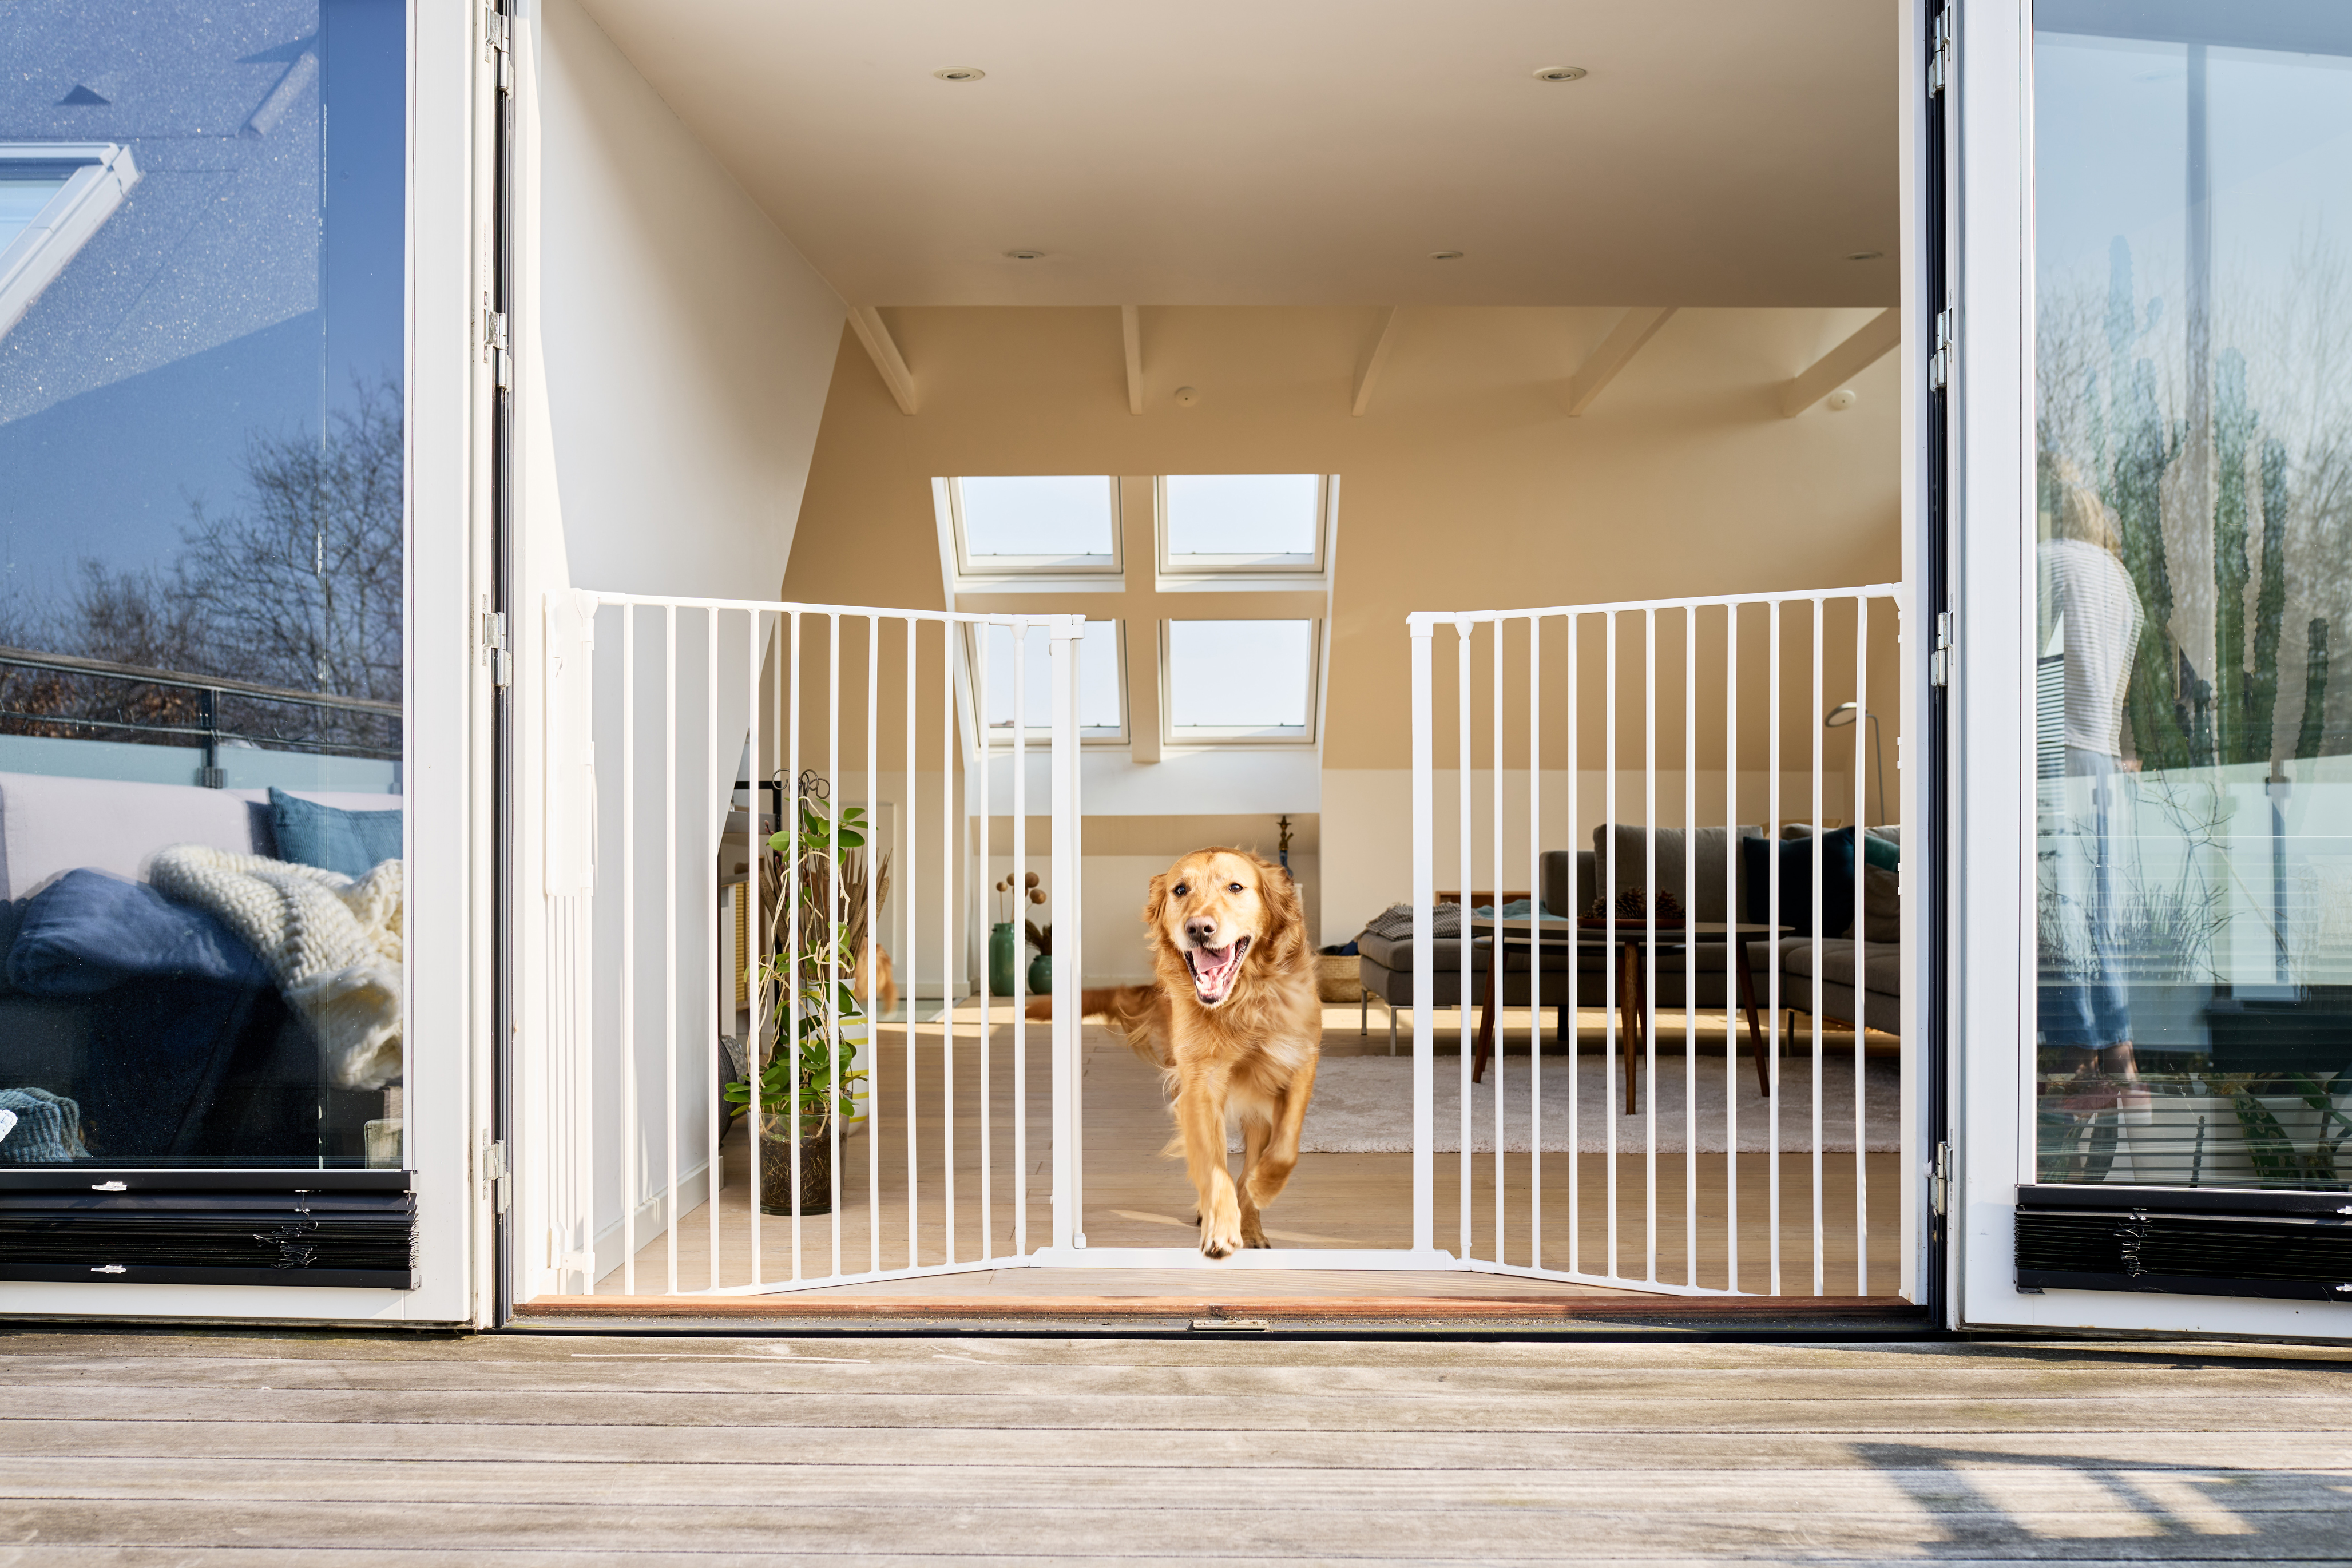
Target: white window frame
[
  {"x": 1039, "y": 730},
  {"x": 1287, "y": 572},
  {"x": 103, "y": 173},
  {"x": 980, "y": 573},
  {"x": 1307, "y": 735}
]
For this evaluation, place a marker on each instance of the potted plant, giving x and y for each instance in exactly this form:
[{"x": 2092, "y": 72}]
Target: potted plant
[
  {"x": 810, "y": 1060},
  {"x": 1041, "y": 968}
]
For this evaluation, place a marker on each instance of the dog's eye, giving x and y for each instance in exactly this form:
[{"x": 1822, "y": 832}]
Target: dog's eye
[
  {"x": 1233, "y": 886},
  {"x": 1181, "y": 890}
]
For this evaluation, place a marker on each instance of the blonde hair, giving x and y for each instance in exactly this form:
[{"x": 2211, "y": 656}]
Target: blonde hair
[{"x": 2082, "y": 516}]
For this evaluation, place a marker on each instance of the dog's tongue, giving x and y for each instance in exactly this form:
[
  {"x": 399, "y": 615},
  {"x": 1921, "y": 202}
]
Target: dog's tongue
[{"x": 1213, "y": 966}]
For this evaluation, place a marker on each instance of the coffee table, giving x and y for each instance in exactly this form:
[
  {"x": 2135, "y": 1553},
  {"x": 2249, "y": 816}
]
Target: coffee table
[{"x": 1631, "y": 937}]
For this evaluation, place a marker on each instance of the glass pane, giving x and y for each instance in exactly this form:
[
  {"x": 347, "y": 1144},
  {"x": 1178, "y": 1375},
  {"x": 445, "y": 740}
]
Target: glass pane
[
  {"x": 2194, "y": 564},
  {"x": 1098, "y": 686},
  {"x": 1242, "y": 514},
  {"x": 22, "y": 197},
  {"x": 201, "y": 584},
  {"x": 1060, "y": 517},
  {"x": 1241, "y": 674}
]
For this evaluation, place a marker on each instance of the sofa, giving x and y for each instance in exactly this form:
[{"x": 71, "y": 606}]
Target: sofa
[
  {"x": 1387, "y": 962},
  {"x": 190, "y": 1068}
]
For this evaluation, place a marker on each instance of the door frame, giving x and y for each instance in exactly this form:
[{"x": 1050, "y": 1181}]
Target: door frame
[{"x": 1992, "y": 898}]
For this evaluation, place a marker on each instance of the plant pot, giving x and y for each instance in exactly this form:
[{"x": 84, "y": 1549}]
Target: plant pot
[
  {"x": 1003, "y": 958},
  {"x": 1041, "y": 975},
  {"x": 776, "y": 1167}
]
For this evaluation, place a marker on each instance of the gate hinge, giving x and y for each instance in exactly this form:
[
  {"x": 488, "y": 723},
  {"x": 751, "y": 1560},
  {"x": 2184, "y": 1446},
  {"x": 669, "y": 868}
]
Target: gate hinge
[
  {"x": 494, "y": 346},
  {"x": 498, "y": 45},
  {"x": 1939, "y": 663},
  {"x": 497, "y": 1183},
  {"x": 1939, "y": 364},
  {"x": 495, "y": 651},
  {"x": 1939, "y": 1179},
  {"x": 1940, "y": 55}
]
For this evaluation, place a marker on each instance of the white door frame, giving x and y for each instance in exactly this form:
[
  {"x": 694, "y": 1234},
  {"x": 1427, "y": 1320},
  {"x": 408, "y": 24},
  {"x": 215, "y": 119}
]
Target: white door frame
[{"x": 1989, "y": 100}]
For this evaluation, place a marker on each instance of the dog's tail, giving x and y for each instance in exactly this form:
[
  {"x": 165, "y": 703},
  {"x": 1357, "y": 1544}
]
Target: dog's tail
[{"x": 1134, "y": 1010}]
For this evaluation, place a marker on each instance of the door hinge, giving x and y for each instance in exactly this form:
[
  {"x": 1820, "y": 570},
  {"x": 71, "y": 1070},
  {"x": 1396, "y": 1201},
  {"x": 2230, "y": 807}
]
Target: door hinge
[
  {"x": 495, "y": 346},
  {"x": 495, "y": 651},
  {"x": 1939, "y": 663},
  {"x": 1939, "y": 1180},
  {"x": 1939, "y": 365},
  {"x": 496, "y": 1180},
  {"x": 498, "y": 45},
  {"x": 1940, "y": 55}
]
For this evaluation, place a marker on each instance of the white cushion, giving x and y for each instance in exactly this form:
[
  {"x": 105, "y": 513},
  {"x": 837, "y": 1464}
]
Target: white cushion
[{"x": 49, "y": 825}]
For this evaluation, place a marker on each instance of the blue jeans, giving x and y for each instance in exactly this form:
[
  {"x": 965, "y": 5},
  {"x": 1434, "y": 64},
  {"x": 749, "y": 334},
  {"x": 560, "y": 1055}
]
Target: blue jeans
[{"x": 2082, "y": 1002}]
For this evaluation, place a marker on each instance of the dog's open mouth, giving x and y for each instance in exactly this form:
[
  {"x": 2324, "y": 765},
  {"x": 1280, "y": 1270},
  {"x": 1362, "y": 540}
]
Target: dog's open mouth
[{"x": 1214, "y": 970}]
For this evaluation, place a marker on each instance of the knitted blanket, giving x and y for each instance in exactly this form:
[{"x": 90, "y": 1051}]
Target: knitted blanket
[{"x": 334, "y": 946}]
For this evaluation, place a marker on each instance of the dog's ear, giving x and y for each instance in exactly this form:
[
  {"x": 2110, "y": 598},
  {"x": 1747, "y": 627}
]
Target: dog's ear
[
  {"x": 1280, "y": 894},
  {"x": 1156, "y": 904}
]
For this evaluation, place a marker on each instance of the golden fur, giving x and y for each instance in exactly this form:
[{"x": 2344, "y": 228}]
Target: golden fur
[{"x": 1247, "y": 1054}]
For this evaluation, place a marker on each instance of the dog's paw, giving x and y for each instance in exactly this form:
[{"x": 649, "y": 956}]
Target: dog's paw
[
  {"x": 1221, "y": 1239},
  {"x": 1253, "y": 1234}
]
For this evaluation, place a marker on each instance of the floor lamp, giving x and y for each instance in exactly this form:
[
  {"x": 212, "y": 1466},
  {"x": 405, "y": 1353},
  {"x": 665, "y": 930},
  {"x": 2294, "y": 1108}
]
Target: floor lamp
[{"x": 1843, "y": 714}]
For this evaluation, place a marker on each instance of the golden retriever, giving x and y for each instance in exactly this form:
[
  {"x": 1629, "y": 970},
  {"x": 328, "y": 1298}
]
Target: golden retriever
[{"x": 1233, "y": 1023}]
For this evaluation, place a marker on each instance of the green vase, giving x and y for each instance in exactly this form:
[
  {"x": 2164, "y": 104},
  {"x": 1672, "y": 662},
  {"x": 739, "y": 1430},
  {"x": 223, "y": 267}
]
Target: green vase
[
  {"x": 1041, "y": 975},
  {"x": 1003, "y": 958}
]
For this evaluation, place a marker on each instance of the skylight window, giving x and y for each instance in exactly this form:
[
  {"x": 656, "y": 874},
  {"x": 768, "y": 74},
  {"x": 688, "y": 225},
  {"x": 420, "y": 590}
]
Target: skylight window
[
  {"x": 53, "y": 197},
  {"x": 1241, "y": 680},
  {"x": 1102, "y": 686},
  {"x": 1236, "y": 522},
  {"x": 1037, "y": 523}
]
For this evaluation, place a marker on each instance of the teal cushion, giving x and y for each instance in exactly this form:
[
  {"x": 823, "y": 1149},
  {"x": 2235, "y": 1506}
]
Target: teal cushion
[
  {"x": 1884, "y": 853},
  {"x": 1796, "y": 857},
  {"x": 328, "y": 836}
]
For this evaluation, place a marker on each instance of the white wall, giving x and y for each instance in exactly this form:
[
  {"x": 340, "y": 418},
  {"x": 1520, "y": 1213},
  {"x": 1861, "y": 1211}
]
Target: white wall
[{"x": 688, "y": 344}]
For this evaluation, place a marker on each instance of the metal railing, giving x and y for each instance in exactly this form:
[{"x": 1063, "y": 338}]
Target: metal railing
[{"x": 207, "y": 731}]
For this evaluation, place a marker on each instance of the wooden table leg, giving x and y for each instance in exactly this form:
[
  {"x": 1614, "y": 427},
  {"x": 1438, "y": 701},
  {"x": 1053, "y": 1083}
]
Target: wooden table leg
[
  {"x": 1486, "y": 1013},
  {"x": 1630, "y": 1010},
  {"x": 1748, "y": 1001}
]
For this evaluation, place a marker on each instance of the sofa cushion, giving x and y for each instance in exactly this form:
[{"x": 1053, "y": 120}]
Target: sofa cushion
[
  {"x": 1882, "y": 966},
  {"x": 331, "y": 838},
  {"x": 89, "y": 932},
  {"x": 1795, "y": 858},
  {"x": 1709, "y": 848}
]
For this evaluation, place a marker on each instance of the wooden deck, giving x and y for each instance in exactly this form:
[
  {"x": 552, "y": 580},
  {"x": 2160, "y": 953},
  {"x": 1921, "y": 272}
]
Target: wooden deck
[
  {"x": 1137, "y": 1198},
  {"x": 336, "y": 1450}
]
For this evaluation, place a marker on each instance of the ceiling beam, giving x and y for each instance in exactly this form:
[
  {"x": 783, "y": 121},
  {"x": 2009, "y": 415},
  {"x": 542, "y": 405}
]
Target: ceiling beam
[
  {"x": 1130, "y": 327},
  {"x": 867, "y": 322},
  {"x": 1616, "y": 351},
  {"x": 1368, "y": 375},
  {"x": 1848, "y": 360}
]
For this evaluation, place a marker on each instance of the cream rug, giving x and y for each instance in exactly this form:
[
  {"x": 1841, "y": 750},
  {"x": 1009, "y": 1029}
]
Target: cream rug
[{"x": 1363, "y": 1105}]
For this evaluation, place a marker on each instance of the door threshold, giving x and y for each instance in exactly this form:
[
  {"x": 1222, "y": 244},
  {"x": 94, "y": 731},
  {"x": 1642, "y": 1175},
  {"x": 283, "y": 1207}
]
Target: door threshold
[{"x": 1058, "y": 1315}]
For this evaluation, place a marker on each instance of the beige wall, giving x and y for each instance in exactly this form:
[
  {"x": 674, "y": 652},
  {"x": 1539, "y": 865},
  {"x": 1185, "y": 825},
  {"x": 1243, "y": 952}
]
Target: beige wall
[{"x": 1464, "y": 486}]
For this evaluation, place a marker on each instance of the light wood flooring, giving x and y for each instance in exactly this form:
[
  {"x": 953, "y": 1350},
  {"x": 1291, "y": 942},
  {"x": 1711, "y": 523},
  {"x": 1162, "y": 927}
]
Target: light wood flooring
[
  {"x": 1673, "y": 1221},
  {"x": 197, "y": 1449}
]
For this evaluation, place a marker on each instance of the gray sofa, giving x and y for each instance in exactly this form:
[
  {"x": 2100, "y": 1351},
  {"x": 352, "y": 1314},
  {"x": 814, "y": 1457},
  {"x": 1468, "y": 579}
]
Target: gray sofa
[{"x": 1387, "y": 963}]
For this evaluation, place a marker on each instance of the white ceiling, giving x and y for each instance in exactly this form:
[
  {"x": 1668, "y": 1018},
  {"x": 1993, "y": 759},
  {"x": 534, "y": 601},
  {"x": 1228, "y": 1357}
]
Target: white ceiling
[{"x": 1302, "y": 151}]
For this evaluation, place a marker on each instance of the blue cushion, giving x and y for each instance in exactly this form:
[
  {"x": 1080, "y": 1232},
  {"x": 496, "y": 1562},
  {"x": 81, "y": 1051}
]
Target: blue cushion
[
  {"x": 349, "y": 842},
  {"x": 1884, "y": 853},
  {"x": 1797, "y": 882},
  {"x": 89, "y": 931}
]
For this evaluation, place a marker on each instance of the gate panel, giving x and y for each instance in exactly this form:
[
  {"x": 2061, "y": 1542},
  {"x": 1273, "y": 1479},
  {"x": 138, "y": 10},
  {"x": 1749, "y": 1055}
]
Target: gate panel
[
  {"x": 774, "y": 815},
  {"x": 1733, "y": 805}
]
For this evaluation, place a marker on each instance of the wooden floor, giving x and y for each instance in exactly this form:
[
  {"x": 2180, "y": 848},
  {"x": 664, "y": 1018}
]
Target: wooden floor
[
  {"x": 1670, "y": 1232},
  {"x": 338, "y": 1450}
]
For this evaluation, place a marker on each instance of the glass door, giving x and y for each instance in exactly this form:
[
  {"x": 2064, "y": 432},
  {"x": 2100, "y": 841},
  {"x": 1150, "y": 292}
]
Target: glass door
[{"x": 2182, "y": 1151}]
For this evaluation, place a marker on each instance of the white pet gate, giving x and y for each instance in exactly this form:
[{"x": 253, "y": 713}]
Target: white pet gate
[{"x": 680, "y": 732}]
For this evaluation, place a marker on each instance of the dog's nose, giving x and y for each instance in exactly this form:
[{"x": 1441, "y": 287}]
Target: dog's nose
[{"x": 1201, "y": 929}]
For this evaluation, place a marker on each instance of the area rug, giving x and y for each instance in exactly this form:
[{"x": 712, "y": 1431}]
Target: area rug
[{"x": 1363, "y": 1105}]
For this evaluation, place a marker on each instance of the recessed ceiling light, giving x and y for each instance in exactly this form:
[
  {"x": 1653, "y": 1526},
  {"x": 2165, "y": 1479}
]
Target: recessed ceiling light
[
  {"x": 1024, "y": 255},
  {"x": 1866, "y": 256},
  {"x": 1446, "y": 256},
  {"x": 959, "y": 73},
  {"x": 1560, "y": 73}
]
